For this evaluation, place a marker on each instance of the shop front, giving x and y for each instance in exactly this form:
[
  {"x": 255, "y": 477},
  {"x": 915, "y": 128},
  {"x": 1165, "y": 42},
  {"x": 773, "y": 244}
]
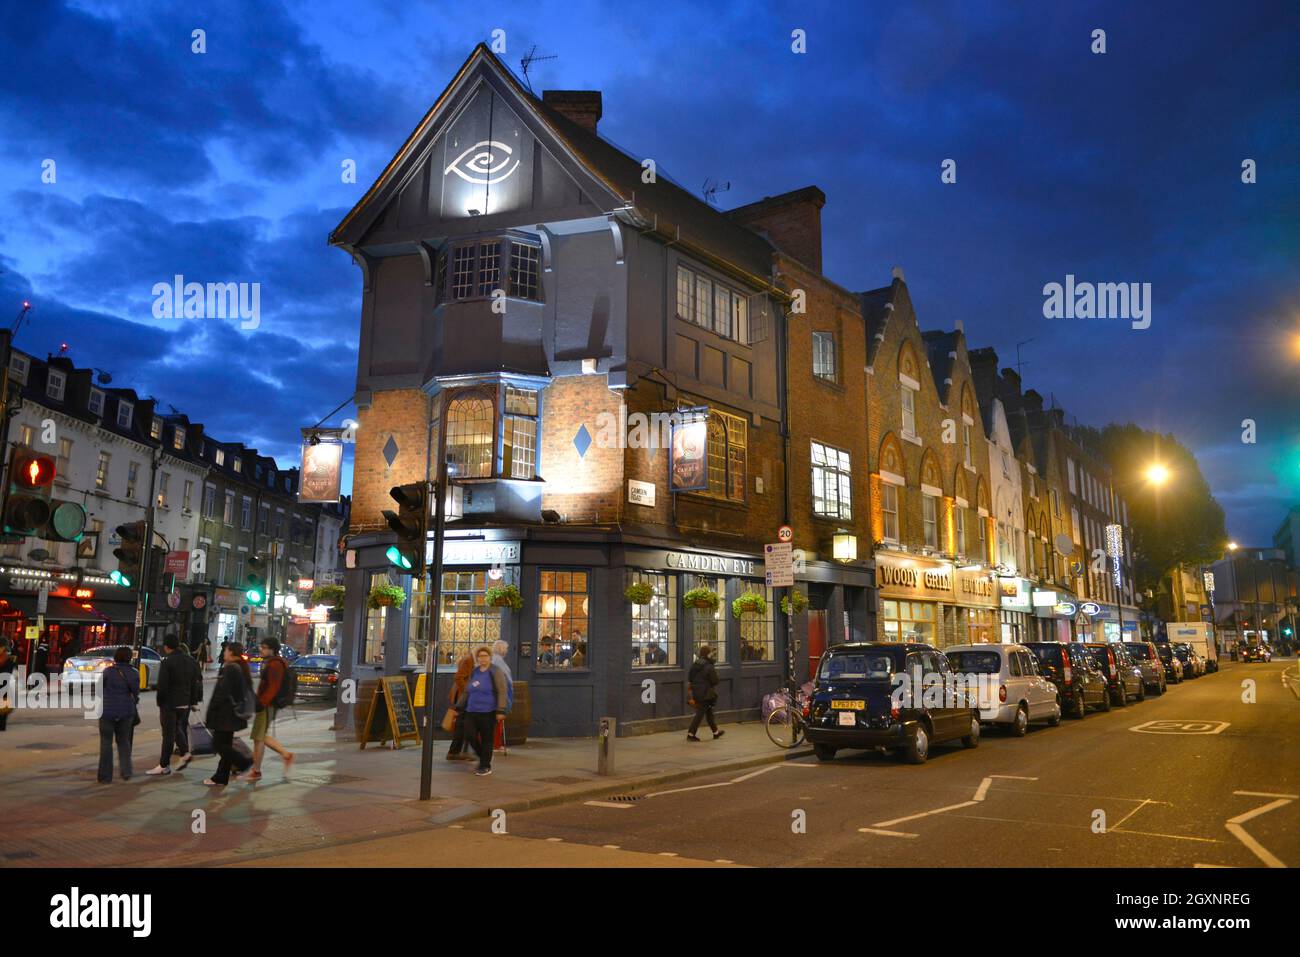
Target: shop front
[
  {"x": 64, "y": 612},
  {"x": 1104, "y": 623},
  {"x": 224, "y": 620},
  {"x": 1057, "y": 616},
  {"x": 583, "y": 647},
  {"x": 933, "y": 602},
  {"x": 1016, "y": 610}
]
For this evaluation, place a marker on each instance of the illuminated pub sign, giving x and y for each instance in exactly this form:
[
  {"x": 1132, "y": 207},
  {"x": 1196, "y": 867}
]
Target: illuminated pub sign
[
  {"x": 939, "y": 581},
  {"x": 688, "y": 458}
]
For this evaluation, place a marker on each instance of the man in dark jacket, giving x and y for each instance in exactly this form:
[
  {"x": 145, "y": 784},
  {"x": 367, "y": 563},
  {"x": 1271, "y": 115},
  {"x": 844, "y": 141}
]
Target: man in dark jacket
[
  {"x": 703, "y": 682},
  {"x": 180, "y": 689}
]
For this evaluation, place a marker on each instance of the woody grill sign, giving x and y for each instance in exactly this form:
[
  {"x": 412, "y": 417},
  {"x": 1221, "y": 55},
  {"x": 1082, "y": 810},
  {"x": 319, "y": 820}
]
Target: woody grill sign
[{"x": 941, "y": 582}]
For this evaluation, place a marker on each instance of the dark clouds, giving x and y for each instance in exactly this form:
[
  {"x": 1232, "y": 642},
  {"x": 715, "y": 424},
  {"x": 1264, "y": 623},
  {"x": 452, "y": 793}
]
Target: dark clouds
[{"x": 1121, "y": 167}]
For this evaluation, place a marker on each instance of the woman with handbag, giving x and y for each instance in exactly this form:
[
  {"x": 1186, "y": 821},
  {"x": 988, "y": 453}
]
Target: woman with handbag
[
  {"x": 229, "y": 710},
  {"x": 120, "y": 692},
  {"x": 457, "y": 721}
]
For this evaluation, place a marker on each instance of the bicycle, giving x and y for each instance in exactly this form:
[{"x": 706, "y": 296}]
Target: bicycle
[{"x": 786, "y": 726}]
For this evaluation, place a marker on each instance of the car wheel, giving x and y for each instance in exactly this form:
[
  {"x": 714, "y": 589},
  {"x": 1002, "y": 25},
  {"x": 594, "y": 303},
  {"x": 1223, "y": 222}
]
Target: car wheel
[
  {"x": 1163, "y": 686},
  {"x": 1022, "y": 722},
  {"x": 1055, "y": 720},
  {"x": 1142, "y": 691},
  {"x": 972, "y": 740},
  {"x": 1105, "y": 700},
  {"x": 824, "y": 752},
  {"x": 918, "y": 749},
  {"x": 1080, "y": 706},
  {"x": 1123, "y": 696}
]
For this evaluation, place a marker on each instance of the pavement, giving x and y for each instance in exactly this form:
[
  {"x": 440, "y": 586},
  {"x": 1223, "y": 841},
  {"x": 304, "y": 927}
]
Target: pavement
[{"x": 336, "y": 795}]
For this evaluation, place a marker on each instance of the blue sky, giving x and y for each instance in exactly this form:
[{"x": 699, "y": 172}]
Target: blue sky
[{"x": 1120, "y": 167}]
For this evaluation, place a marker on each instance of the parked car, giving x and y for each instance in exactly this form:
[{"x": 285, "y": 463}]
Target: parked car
[
  {"x": 1144, "y": 656},
  {"x": 318, "y": 676},
  {"x": 85, "y": 667},
  {"x": 1173, "y": 666},
  {"x": 253, "y": 656},
  {"x": 1022, "y": 694},
  {"x": 1185, "y": 655},
  {"x": 853, "y": 703},
  {"x": 1070, "y": 667},
  {"x": 1257, "y": 652},
  {"x": 1123, "y": 678}
]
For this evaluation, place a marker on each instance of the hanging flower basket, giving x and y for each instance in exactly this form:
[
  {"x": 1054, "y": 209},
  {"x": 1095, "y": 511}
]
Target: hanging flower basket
[
  {"x": 796, "y": 600},
  {"x": 750, "y": 603},
  {"x": 505, "y": 596},
  {"x": 386, "y": 596},
  {"x": 327, "y": 595},
  {"x": 705, "y": 599},
  {"x": 638, "y": 593}
]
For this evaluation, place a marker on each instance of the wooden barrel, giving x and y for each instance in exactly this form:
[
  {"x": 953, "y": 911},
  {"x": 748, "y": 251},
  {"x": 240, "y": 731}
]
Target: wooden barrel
[{"x": 520, "y": 716}]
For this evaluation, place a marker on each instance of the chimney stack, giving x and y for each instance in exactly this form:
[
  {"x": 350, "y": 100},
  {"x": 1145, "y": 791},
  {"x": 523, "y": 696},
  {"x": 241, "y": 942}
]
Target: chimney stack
[
  {"x": 792, "y": 222},
  {"x": 583, "y": 107}
]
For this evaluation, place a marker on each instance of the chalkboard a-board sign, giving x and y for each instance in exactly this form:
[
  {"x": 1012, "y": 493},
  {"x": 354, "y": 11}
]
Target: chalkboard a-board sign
[{"x": 391, "y": 716}]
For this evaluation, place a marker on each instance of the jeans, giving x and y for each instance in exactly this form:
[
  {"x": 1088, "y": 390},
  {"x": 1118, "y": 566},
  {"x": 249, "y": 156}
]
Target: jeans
[
  {"x": 482, "y": 725},
  {"x": 703, "y": 710},
  {"x": 123, "y": 730},
  {"x": 223, "y": 742},
  {"x": 175, "y": 732}
]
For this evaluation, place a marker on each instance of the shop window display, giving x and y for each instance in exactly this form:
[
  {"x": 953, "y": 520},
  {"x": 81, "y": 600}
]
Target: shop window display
[{"x": 908, "y": 621}]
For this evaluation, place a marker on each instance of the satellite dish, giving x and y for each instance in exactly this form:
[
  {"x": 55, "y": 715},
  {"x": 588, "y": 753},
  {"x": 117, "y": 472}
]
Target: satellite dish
[{"x": 1064, "y": 544}]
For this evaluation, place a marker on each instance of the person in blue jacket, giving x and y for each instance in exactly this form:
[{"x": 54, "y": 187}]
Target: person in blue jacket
[{"x": 120, "y": 693}]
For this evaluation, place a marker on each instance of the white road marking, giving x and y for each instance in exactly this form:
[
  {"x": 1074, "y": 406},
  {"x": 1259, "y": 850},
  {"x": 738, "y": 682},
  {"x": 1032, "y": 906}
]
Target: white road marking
[
  {"x": 1180, "y": 726},
  {"x": 1236, "y": 830},
  {"x": 1266, "y": 794},
  {"x": 698, "y": 787},
  {"x": 554, "y": 840},
  {"x": 667, "y": 853},
  {"x": 983, "y": 789},
  {"x": 722, "y": 860},
  {"x": 913, "y": 817},
  {"x": 1116, "y": 827},
  {"x": 621, "y": 805},
  {"x": 1012, "y": 820},
  {"x": 876, "y": 830},
  {"x": 1212, "y": 865},
  {"x": 754, "y": 774},
  {"x": 612, "y": 847}
]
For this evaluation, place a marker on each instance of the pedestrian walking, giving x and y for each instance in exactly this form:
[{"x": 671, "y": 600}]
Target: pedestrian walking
[
  {"x": 120, "y": 695},
  {"x": 702, "y": 679},
  {"x": 500, "y": 648},
  {"x": 8, "y": 665},
  {"x": 482, "y": 703},
  {"x": 463, "y": 669},
  {"x": 229, "y": 710},
  {"x": 268, "y": 689},
  {"x": 180, "y": 691},
  {"x": 205, "y": 653}
]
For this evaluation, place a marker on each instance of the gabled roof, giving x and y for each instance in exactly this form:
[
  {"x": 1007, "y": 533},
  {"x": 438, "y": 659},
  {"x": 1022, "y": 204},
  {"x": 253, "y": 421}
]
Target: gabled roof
[
  {"x": 941, "y": 349},
  {"x": 661, "y": 206},
  {"x": 878, "y": 306}
]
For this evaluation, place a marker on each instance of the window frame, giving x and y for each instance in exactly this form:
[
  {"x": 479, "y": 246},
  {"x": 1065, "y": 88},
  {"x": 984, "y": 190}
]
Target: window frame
[
  {"x": 50, "y": 391},
  {"x": 466, "y": 269},
  {"x": 568, "y": 594},
  {"x": 731, "y": 425},
  {"x": 907, "y": 408},
  {"x": 95, "y": 402},
  {"x": 736, "y": 325},
  {"x": 840, "y": 472},
  {"x": 889, "y": 490},
  {"x": 823, "y": 341},
  {"x": 129, "y": 409}
]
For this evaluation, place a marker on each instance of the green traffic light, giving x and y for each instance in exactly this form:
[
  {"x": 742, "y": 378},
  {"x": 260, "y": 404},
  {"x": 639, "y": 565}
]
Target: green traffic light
[
  {"x": 394, "y": 555},
  {"x": 117, "y": 578},
  {"x": 254, "y": 596}
]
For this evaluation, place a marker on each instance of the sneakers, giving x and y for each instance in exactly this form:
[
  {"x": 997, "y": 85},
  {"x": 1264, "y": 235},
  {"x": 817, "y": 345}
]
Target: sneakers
[
  {"x": 249, "y": 776},
  {"x": 719, "y": 733},
  {"x": 184, "y": 762},
  {"x": 159, "y": 770},
  {"x": 482, "y": 772},
  {"x": 691, "y": 737},
  {"x": 213, "y": 784}
]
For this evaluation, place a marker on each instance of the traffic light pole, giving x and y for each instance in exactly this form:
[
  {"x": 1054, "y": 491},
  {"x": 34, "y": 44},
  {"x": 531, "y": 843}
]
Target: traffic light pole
[{"x": 433, "y": 599}]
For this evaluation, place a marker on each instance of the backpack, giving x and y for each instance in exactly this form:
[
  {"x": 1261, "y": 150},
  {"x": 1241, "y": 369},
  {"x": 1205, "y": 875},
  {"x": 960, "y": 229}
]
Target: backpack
[
  {"x": 245, "y": 706},
  {"x": 288, "y": 689}
]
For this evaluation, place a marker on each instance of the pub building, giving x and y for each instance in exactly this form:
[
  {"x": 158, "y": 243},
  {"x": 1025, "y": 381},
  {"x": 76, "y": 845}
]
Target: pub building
[
  {"x": 597, "y": 356},
  {"x": 78, "y": 611}
]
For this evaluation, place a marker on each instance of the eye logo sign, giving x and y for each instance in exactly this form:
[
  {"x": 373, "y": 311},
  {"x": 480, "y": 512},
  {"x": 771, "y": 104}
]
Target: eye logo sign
[{"x": 482, "y": 167}]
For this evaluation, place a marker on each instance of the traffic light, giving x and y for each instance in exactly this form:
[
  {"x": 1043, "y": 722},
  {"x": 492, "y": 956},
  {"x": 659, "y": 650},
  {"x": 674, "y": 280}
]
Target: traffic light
[
  {"x": 29, "y": 507},
  {"x": 129, "y": 555},
  {"x": 408, "y": 522},
  {"x": 256, "y": 580}
]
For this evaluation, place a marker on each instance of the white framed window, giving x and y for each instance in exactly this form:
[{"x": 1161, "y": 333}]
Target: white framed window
[
  {"x": 125, "y": 414},
  {"x": 703, "y": 301},
  {"x": 64, "y": 462},
  {"x": 832, "y": 482},
  {"x": 1069, "y": 471},
  {"x": 101, "y": 471},
  {"x": 959, "y": 521},
  {"x": 966, "y": 429},
  {"x": 238, "y": 465},
  {"x": 228, "y": 513},
  {"x": 132, "y": 478},
  {"x": 19, "y": 366},
  {"x": 889, "y": 509},
  {"x": 824, "y": 355},
  {"x": 930, "y": 513},
  {"x": 519, "y": 438},
  {"x": 54, "y": 385},
  {"x": 163, "y": 479},
  {"x": 221, "y": 456},
  {"x": 155, "y": 428},
  {"x": 178, "y": 438},
  {"x": 710, "y": 304},
  {"x": 95, "y": 404},
  {"x": 246, "y": 514},
  {"x": 186, "y": 494},
  {"x": 907, "y": 397},
  {"x": 209, "y": 501}
]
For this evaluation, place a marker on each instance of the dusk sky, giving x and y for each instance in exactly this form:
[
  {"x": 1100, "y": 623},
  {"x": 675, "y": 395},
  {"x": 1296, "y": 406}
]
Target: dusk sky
[{"x": 1117, "y": 167}]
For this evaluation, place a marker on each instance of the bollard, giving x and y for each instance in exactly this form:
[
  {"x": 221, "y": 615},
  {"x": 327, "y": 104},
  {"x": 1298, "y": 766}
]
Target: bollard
[{"x": 605, "y": 746}]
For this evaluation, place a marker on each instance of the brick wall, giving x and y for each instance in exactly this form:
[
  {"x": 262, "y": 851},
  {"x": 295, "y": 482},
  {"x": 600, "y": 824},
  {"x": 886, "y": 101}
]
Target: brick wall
[
  {"x": 584, "y": 488},
  {"x": 403, "y": 415}
]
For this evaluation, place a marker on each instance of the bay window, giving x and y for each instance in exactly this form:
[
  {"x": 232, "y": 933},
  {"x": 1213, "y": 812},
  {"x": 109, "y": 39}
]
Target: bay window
[
  {"x": 479, "y": 418},
  {"x": 475, "y": 270}
]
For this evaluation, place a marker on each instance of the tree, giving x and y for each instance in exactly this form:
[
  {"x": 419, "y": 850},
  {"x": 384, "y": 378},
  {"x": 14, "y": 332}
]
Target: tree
[{"x": 1175, "y": 523}]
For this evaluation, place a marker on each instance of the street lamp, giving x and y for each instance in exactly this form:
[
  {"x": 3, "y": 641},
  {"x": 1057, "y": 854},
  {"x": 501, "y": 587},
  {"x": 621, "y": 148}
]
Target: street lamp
[{"x": 1157, "y": 474}]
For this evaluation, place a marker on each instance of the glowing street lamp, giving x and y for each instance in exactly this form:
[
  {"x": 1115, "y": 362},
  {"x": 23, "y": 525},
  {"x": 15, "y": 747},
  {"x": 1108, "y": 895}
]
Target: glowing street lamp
[{"x": 1157, "y": 474}]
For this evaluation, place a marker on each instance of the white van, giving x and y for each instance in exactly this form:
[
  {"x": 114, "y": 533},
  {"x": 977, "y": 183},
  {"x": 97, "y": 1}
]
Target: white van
[{"x": 1200, "y": 636}]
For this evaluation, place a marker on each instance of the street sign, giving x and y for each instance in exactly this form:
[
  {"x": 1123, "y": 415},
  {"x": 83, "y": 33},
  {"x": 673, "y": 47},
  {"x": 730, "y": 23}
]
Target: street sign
[
  {"x": 778, "y": 565},
  {"x": 43, "y": 599},
  {"x": 139, "y": 616},
  {"x": 32, "y": 633},
  {"x": 785, "y": 534}
]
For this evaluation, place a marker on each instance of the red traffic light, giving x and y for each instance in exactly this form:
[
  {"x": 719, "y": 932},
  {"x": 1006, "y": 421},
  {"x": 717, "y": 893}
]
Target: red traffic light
[{"x": 34, "y": 471}]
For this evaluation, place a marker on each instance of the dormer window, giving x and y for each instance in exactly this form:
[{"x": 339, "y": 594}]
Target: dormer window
[
  {"x": 178, "y": 438},
  {"x": 478, "y": 269},
  {"x": 19, "y": 365},
  {"x": 95, "y": 404},
  {"x": 221, "y": 456},
  {"x": 55, "y": 384},
  {"x": 238, "y": 465},
  {"x": 125, "y": 413},
  {"x": 155, "y": 429}
]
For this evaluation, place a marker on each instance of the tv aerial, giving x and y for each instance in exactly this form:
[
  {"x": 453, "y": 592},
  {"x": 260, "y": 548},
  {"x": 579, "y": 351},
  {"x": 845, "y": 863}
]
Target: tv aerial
[
  {"x": 529, "y": 59},
  {"x": 711, "y": 189}
]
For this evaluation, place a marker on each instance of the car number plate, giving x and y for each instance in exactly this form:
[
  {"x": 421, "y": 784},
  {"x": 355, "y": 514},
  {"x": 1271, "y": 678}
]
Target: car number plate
[
  {"x": 848, "y": 705},
  {"x": 309, "y": 679},
  {"x": 848, "y": 718}
]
